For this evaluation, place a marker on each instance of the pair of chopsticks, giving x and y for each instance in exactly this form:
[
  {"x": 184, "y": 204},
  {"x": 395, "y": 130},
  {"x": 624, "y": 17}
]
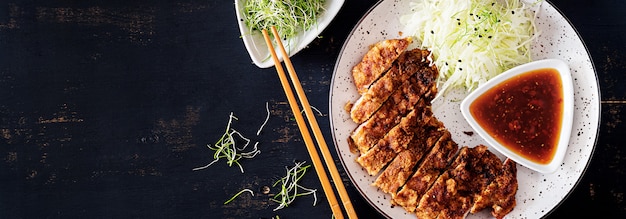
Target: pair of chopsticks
[{"x": 317, "y": 163}]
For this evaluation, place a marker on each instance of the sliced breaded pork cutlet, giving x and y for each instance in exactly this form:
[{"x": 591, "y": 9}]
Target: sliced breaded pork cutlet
[
  {"x": 406, "y": 162},
  {"x": 394, "y": 141},
  {"x": 454, "y": 192},
  {"x": 409, "y": 63},
  {"x": 435, "y": 162},
  {"x": 401, "y": 102},
  {"x": 376, "y": 61},
  {"x": 500, "y": 193},
  {"x": 398, "y": 137}
]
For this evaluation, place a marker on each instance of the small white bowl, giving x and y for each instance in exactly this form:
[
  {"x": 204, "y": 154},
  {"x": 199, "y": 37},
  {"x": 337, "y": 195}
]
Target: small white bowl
[
  {"x": 567, "y": 116},
  {"x": 255, "y": 43}
]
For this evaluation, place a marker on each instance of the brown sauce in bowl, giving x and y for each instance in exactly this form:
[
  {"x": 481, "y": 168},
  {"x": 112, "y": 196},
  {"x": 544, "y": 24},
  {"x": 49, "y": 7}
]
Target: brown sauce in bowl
[{"x": 524, "y": 113}]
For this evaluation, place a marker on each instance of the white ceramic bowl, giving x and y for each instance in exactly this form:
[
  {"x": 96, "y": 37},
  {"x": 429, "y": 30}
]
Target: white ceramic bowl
[
  {"x": 255, "y": 43},
  {"x": 567, "y": 116}
]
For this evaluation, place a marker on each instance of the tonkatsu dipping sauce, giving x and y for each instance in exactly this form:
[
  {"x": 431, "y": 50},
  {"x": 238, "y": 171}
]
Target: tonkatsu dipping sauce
[{"x": 524, "y": 113}]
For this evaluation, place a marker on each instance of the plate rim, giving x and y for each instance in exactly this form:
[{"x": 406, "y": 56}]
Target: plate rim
[{"x": 599, "y": 105}]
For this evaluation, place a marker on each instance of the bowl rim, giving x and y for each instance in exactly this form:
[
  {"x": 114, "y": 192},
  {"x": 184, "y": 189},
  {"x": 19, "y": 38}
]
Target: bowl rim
[
  {"x": 566, "y": 123},
  {"x": 255, "y": 43}
]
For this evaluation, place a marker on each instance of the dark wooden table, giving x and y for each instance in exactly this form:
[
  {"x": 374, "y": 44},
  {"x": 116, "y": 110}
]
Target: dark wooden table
[{"x": 106, "y": 106}]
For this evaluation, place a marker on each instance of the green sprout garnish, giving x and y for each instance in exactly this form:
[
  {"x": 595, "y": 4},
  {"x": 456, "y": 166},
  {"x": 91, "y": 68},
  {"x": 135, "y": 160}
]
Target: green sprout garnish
[
  {"x": 289, "y": 187},
  {"x": 239, "y": 193},
  {"x": 288, "y": 16},
  {"x": 319, "y": 113},
  {"x": 267, "y": 118},
  {"x": 226, "y": 147}
]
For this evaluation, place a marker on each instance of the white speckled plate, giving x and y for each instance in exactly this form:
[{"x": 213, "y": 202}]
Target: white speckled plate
[{"x": 538, "y": 193}]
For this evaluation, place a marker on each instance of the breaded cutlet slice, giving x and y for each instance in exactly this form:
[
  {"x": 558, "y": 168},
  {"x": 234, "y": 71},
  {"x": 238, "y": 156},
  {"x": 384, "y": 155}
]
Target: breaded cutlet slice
[
  {"x": 401, "y": 102},
  {"x": 455, "y": 192},
  {"x": 499, "y": 195},
  {"x": 405, "y": 67},
  {"x": 377, "y": 60},
  {"x": 395, "y": 141},
  {"x": 435, "y": 163},
  {"x": 406, "y": 162}
]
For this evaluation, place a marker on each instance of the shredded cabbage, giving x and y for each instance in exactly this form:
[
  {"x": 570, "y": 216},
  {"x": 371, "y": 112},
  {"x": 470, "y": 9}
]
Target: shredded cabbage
[{"x": 472, "y": 40}]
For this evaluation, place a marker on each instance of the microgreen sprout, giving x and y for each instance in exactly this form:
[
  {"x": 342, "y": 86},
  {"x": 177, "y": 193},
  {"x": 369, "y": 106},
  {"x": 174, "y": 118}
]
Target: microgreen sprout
[
  {"x": 289, "y": 187},
  {"x": 317, "y": 110},
  {"x": 267, "y": 118},
  {"x": 288, "y": 16},
  {"x": 239, "y": 193},
  {"x": 319, "y": 113},
  {"x": 226, "y": 147}
]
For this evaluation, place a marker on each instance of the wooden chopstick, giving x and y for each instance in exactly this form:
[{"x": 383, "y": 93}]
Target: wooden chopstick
[
  {"x": 328, "y": 159},
  {"x": 305, "y": 131},
  {"x": 319, "y": 168}
]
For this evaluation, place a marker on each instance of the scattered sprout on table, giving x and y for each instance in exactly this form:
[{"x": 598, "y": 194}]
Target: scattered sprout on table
[
  {"x": 267, "y": 118},
  {"x": 289, "y": 187},
  {"x": 226, "y": 147},
  {"x": 319, "y": 113},
  {"x": 239, "y": 193}
]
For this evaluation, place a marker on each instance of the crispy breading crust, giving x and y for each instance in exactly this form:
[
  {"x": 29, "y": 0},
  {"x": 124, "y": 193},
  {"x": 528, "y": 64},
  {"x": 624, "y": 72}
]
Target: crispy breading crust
[
  {"x": 396, "y": 140},
  {"x": 377, "y": 60},
  {"x": 452, "y": 195},
  {"x": 433, "y": 165},
  {"x": 402, "y": 69},
  {"x": 388, "y": 116},
  {"x": 500, "y": 193},
  {"x": 403, "y": 165}
]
